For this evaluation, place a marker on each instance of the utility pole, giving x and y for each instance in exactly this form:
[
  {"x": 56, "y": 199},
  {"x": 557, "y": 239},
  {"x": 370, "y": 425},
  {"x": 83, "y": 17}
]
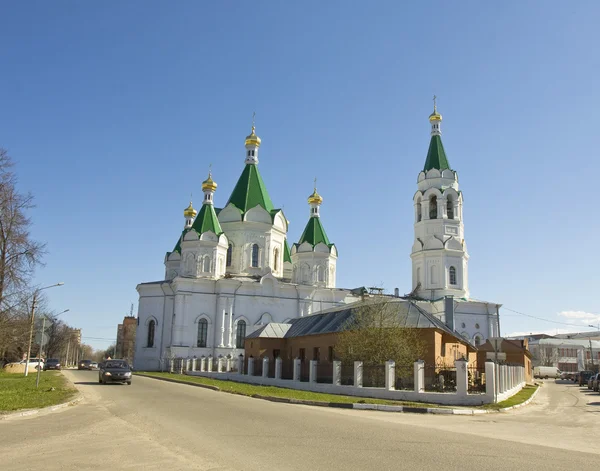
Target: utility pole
[
  {"x": 31, "y": 331},
  {"x": 37, "y": 379}
]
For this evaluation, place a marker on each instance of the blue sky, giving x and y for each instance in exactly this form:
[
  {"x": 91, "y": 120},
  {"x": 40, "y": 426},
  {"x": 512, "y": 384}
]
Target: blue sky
[{"x": 113, "y": 112}]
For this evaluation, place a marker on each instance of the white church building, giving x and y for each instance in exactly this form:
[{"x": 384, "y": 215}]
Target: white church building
[{"x": 232, "y": 269}]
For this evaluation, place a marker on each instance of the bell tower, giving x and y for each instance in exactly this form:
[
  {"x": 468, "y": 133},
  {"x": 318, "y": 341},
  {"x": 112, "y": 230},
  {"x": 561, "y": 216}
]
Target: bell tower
[{"x": 439, "y": 253}]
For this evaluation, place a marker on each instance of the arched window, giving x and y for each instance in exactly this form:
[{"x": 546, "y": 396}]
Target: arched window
[
  {"x": 202, "y": 333},
  {"x": 433, "y": 207},
  {"x": 255, "y": 255},
  {"x": 419, "y": 210},
  {"x": 418, "y": 274},
  {"x": 321, "y": 273},
  {"x": 452, "y": 273},
  {"x": 477, "y": 340},
  {"x": 206, "y": 264},
  {"x": 240, "y": 335},
  {"x": 276, "y": 259},
  {"x": 151, "y": 329},
  {"x": 229, "y": 254},
  {"x": 450, "y": 208},
  {"x": 433, "y": 273}
]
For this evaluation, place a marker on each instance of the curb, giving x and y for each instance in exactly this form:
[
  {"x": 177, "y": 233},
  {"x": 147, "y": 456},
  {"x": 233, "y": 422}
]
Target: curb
[
  {"x": 357, "y": 405},
  {"x": 169, "y": 380},
  {"x": 28, "y": 412}
]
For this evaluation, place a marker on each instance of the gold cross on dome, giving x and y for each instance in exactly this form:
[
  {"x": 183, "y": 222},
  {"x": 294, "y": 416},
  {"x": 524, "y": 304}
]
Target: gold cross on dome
[
  {"x": 315, "y": 183},
  {"x": 434, "y": 103}
]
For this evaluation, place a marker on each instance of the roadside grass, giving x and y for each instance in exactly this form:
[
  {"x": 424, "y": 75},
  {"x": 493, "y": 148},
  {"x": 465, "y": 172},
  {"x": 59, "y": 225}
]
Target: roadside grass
[
  {"x": 518, "y": 398},
  {"x": 19, "y": 392},
  {"x": 273, "y": 391}
]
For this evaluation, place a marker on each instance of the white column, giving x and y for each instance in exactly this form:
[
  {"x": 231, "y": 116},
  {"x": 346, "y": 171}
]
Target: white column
[
  {"x": 223, "y": 315},
  {"x": 227, "y": 365},
  {"x": 230, "y": 333},
  {"x": 297, "y": 366},
  {"x": 490, "y": 380},
  {"x": 251, "y": 366},
  {"x": 462, "y": 379},
  {"x": 278, "y": 366},
  {"x": 265, "y": 370},
  {"x": 390, "y": 375},
  {"x": 209, "y": 366},
  {"x": 419, "y": 376},
  {"x": 220, "y": 364},
  {"x": 312, "y": 372},
  {"x": 194, "y": 364},
  {"x": 176, "y": 336},
  {"x": 337, "y": 373},
  {"x": 358, "y": 374},
  {"x": 187, "y": 364}
]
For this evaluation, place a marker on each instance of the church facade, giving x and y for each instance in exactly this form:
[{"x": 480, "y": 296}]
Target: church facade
[{"x": 233, "y": 270}]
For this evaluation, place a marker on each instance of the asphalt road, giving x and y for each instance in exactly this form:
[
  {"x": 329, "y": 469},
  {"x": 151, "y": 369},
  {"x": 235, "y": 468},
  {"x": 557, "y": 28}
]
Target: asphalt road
[{"x": 154, "y": 425}]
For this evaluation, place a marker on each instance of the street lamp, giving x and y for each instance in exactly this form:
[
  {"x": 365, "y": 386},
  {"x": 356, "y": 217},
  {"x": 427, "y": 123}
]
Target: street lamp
[
  {"x": 37, "y": 380},
  {"x": 35, "y": 293}
]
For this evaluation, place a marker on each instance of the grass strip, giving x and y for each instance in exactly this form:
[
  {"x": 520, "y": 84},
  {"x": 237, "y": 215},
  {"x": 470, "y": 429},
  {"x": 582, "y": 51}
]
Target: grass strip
[
  {"x": 245, "y": 389},
  {"x": 517, "y": 399},
  {"x": 19, "y": 392}
]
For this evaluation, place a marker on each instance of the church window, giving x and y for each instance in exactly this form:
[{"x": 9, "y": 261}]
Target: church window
[
  {"x": 321, "y": 273},
  {"x": 202, "y": 333},
  {"x": 206, "y": 264},
  {"x": 229, "y": 254},
  {"x": 255, "y": 255},
  {"x": 450, "y": 208},
  {"x": 433, "y": 207},
  {"x": 477, "y": 340},
  {"x": 477, "y": 326},
  {"x": 151, "y": 329},
  {"x": 419, "y": 210},
  {"x": 240, "y": 334},
  {"x": 434, "y": 277},
  {"x": 276, "y": 259},
  {"x": 252, "y": 153},
  {"x": 249, "y": 154},
  {"x": 452, "y": 273}
]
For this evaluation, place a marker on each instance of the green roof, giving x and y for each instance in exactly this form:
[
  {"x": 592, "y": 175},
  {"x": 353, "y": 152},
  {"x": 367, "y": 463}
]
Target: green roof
[
  {"x": 250, "y": 191},
  {"x": 286, "y": 252},
  {"x": 436, "y": 156},
  {"x": 178, "y": 244},
  {"x": 207, "y": 221},
  {"x": 314, "y": 233}
]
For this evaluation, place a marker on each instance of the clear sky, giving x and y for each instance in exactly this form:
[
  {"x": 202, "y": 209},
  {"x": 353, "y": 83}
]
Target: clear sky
[{"x": 113, "y": 112}]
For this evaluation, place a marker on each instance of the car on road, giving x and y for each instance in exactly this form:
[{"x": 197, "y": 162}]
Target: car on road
[
  {"x": 546, "y": 372},
  {"x": 34, "y": 363},
  {"x": 94, "y": 365},
  {"x": 590, "y": 383},
  {"x": 595, "y": 382},
  {"x": 85, "y": 365},
  {"x": 569, "y": 375},
  {"x": 52, "y": 364},
  {"x": 583, "y": 376},
  {"x": 115, "y": 371}
]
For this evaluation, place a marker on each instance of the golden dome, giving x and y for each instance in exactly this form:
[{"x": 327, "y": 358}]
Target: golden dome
[
  {"x": 209, "y": 184},
  {"x": 435, "y": 116},
  {"x": 315, "y": 198},
  {"x": 190, "y": 212},
  {"x": 253, "y": 139}
]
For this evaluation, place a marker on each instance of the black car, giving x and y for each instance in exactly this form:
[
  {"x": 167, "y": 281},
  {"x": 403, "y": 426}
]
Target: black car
[
  {"x": 583, "y": 377},
  {"x": 52, "y": 364},
  {"x": 115, "y": 371},
  {"x": 85, "y": 365}
]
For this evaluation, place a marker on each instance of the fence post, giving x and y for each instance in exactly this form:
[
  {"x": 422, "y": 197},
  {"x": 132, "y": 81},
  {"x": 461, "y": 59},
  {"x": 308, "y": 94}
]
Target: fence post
[
  {"x": 209, "y": 362},
  {"x": 240, "y": 364},
  {"x": 265, "y": 371},
  {"x": 202, "y": 363},
  {"x": 419, "y": 376},
  {"x": 358, "y": 374},
  {"x": 180, "y": 366},
  {"x": 337, "y": 373},
  {"x": 390, "y": 375},
  {"x": 171, "y": 365},
  {"x": 194, "y": 364},
  {"x": 227, "y": 365},
  {"x": 278, "y": 366},
  {"x": 312, "y": 372},
  {"x": 220, "y": 364},
  {"x": 187, "y": 364},
  {"x": 490, "y": 380},
  {"x": 462, "y": 378},
  {"x": 297, "y": 366},
  {"x": 251, "y": 366}
]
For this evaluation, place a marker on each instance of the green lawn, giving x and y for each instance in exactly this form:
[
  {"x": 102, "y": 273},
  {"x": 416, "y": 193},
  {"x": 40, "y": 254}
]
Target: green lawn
[
  {"x": 251, "y": 389},
  {"x": 19, "y": 392},
  {"x": 518, "y": 398}
]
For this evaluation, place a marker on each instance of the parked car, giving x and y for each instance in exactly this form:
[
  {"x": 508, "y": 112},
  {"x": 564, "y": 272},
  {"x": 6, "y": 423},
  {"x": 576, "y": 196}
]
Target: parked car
[
  {"x": 85, "y": 365},
  {"x": 34, "y": 363},
  {"x": 546, "y": 372},
  {"x": 590, "y": 383},
  {"x": 115, "y": 371},
  {"x": 596, "y": 380},
  {"x": 567, "y": 375},
  {"x": 94, "y": 365},
  {"x": 583, "y": 376},
  {"x": 51, "y": 364}
]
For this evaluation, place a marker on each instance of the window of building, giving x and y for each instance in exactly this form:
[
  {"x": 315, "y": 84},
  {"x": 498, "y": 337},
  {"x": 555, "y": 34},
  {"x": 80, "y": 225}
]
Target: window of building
[
  {"x": 433, "y": 207},
  {"x": 276, "y": 259},
  {"x": 330, "y": 353},
  {"x": 463, "y": 325},
  {"x": 151, "y": 328},
  {"x": 321, "y": 273},
  {"x": 477, "y": 326},
  {"x": 452, "y": 272},
  {"x": 255, "y": 255},
  {"x": 229, "y": 254},
  {"x": 302, "y": 354},
  {"x": 450, "y": 208},
  {"x": 477, "y": 340},
  {"x": 249, "y": 154},
  {"x": 252, "y": 153},
  {"x": 419, "y": 210},
  {"x": 202, "y": 333},
  {"x": 206, "y": 265},
  {"x": 240, "y": 336},
  {"x": 316, "y": 353}
]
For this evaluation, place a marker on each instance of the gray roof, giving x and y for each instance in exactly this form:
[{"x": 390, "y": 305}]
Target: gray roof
[
  {"x": 335, "y": 319},
  {"x": 272, "y": 330},
  {"x": 572, "y": 342}
]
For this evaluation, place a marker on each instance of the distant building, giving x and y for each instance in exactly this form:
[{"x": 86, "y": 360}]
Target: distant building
[
  {"x": 566, "y": 354},
  {"x": 125, "y": 347}
]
